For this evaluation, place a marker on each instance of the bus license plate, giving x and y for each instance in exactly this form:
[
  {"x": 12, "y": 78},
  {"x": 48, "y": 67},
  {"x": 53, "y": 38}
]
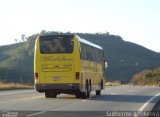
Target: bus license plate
[{"x": 56, "y": 78}]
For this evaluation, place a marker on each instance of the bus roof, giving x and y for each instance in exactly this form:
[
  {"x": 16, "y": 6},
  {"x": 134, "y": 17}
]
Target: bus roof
[{"x": 89, "y": 43}]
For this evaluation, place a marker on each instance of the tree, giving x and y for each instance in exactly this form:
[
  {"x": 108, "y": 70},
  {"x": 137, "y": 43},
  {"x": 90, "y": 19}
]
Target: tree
[
  {"x": 16, "y": 40},
  {"x": 23, "y": 38},
  {"x": 42, "y": 32}
]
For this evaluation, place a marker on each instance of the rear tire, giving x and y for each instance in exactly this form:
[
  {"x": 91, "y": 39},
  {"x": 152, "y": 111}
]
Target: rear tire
[
  {"x": 102, "y": 84},
  {"x": 78, "y": 95},
  {"x": 98, "y": 92},
  {"x": 50, "y": 94},
  {"x": 86, "y": 94}
]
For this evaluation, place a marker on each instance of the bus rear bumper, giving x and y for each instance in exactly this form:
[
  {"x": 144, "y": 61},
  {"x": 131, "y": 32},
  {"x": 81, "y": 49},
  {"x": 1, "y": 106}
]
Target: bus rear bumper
[{"x": 59, "y": 88}]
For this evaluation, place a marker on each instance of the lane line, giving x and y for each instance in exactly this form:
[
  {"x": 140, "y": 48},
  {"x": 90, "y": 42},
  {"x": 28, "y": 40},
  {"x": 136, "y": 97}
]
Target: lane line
[
  {"x": 131, "y": 90},
  {"x": 113, "y": 93},
  {"x": 145, "y": 105},
  {"x": 36, "y": 113},
  {"x": 83, "y": 100},
  {"x": 22, "y": 99},
  {"x": 8, "y": 93}
]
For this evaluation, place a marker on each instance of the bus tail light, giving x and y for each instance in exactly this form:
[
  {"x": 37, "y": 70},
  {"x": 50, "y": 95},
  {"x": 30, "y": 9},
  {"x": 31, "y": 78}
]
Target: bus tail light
[
  {"x": 77, "y": 75},
  {"x": 36, "y": 76}
]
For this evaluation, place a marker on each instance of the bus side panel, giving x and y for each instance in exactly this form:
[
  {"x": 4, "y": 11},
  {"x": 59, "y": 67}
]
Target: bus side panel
[
  {"x": 91, "y": 71},
  {"x": 92, "y": 68}
]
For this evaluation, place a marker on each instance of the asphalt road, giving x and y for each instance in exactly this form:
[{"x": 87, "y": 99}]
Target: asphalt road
[{"x": 29, "y": 103}]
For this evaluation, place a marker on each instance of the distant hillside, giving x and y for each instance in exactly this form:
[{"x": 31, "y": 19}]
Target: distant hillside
[
  {"x": 147, "y": 77},
  {"x": 124, "y": 58}
]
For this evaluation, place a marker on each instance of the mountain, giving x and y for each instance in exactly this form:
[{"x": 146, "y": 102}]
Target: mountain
[{"x": 124, "y": 58}]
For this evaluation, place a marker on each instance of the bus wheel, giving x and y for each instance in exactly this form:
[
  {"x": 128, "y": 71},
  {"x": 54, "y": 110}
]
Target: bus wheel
[
  {"x": 78, "y": 95},
  {"x": 98, "y": 92},
  {"x": 54, "y": 96},
  {"x": 86, "y": 94},
  {"x": 102, "y": 84},
  {"x": 90, "y": 85},
  {"x": 50, "y": 94}
]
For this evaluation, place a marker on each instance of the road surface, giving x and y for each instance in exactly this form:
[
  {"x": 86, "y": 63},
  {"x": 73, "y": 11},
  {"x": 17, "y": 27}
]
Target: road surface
[{"x": 29, "y": 103}]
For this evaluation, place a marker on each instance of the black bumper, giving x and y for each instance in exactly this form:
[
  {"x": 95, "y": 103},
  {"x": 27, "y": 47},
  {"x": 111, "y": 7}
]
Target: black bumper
[{"x": 59, "y": 88}]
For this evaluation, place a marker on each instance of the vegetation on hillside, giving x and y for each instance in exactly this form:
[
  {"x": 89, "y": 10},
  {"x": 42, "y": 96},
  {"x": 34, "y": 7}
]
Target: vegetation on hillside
[
  {"x": 16, "y": 62},
  {"x": 147, "y": 77},
  {"x": 114, "y": 83},
  {"x": 8, "y": 86},
  {"x": 124, "y": 58}
]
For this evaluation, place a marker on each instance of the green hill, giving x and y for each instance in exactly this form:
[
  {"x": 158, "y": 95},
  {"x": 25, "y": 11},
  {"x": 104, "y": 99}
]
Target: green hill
[{"x": 124, "y": 58}]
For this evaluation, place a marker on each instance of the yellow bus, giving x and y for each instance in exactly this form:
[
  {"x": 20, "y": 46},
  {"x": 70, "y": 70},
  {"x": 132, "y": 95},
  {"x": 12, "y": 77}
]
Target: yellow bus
[{"x": 68, "y": 64}]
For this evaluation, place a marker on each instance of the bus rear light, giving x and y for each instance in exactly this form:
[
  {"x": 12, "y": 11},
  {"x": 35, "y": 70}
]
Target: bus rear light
[
  {"x": 77, "y": 75},
  {"x": 36, "y": 76}
]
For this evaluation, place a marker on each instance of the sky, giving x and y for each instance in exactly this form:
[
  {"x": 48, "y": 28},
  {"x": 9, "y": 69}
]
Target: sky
[{"x": 137, "y": 21}]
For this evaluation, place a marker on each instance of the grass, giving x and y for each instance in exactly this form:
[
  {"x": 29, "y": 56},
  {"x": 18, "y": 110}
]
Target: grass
[
  {"x": 141, "y": 84},
  {"x": 115, "y": 83},
  {"x": 9, "y": 86}
]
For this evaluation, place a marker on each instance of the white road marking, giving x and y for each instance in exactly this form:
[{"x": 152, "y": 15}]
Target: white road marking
[
  {"x": 83, "y": 100},
  {"x": 113, "y": 93},
  {"x": 131, "y": 90},
  {"x": 36, "y": 113},
  {"x": 21, "y": 99},
  {"x": 8, "y": 93},
  {"x": 145, "y": 105}
]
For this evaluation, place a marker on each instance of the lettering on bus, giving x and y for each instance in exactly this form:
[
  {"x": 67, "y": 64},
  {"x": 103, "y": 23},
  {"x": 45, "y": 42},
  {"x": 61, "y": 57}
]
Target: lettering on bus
[
  {"x": 51, "y": 58},
  {"x": 56, "y": 68}
]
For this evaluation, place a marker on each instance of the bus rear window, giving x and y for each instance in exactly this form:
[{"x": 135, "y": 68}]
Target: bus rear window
[{"x": 54, "y": 44}]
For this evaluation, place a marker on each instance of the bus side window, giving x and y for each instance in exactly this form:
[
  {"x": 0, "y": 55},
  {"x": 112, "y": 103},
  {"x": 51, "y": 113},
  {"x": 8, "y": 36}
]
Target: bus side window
[{"x": 82, "y": 51}]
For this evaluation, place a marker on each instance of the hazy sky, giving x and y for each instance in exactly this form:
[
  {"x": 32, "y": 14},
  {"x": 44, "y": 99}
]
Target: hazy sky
[{"x": 136, "y": 21}]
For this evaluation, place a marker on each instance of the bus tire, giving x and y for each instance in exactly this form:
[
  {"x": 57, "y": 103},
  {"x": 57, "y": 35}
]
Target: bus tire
[
  {"x": 90, "y": 85},
  {"x": 54, "y": 96},
  {"x": 50, "y": 94},
  {"x": 86, "y": 94},
  {"x": 102, "y": 84},
  {"x": 78, "y": 95},
  {"x": 98, "y": 92}
]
